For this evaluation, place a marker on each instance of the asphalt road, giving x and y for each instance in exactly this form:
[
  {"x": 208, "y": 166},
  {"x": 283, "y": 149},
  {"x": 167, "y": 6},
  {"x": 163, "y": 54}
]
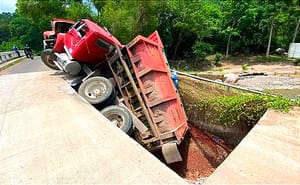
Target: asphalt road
[{"x": 27, "y": 66}]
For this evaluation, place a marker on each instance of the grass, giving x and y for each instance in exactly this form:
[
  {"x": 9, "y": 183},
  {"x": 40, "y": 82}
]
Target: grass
[
  {"x": 272, "y": 58},
  {"x": 12, "y": 63},
  {"x": 214, "y": 104}
]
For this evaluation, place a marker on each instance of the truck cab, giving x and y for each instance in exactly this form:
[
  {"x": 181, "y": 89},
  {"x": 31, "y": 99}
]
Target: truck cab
[
  {"x": 58, "y": 26},
  {"x": 87, "y": 42}
]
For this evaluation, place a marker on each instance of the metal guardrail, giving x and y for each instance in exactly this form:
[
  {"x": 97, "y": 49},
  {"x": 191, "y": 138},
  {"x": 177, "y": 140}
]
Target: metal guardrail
[
  {"x": 9, "y": 55},
  {"x": 225, "y": 84}
]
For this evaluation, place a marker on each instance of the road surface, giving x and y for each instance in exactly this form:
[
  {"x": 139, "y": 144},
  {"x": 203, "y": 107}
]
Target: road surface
[
  {"x": 59, "y": 145},
  {"x": 27, "y": 66}
]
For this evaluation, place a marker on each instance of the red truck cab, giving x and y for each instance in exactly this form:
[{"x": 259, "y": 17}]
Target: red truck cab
[
  {"x": 87, "y": 42},
  {"x": 84, "y": 43}
]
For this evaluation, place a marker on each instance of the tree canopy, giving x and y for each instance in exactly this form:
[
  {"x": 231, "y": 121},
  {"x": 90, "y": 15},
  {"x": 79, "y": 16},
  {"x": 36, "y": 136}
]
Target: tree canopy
[{"x": 189, "y": 28}]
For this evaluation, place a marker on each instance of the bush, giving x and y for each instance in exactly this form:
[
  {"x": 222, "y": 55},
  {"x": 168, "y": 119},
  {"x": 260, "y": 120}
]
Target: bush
[
  {"x": 297, "y": 62},
  {"x": 202, "y": 49},
  {"x": 218, "y": 58},
  {"x": 245, "y": 67}
]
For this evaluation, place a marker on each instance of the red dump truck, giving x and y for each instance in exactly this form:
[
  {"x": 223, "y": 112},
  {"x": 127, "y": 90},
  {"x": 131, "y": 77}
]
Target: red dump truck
[{"x": 131, "y": 84}]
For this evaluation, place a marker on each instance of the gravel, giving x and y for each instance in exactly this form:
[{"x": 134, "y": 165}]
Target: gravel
[{"x": 269, "y": 82}]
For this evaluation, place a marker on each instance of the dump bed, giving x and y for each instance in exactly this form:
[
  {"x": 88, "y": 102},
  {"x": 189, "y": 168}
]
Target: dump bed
[{"x": 159, "y": 93}]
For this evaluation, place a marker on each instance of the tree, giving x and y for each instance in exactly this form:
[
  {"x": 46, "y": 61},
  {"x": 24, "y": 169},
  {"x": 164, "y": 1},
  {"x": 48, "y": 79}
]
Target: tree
[
  {"x": 250, "y": 24},
  {"x": 278, "y": 14},
  {"x": 5, "y": 18},
  {"x": 41, "y": 12},
  {"x": 182, "y": 23},
  {"x": 129, "y": 18},
  {"x": 296, "y": 31},
  {"x": 23, "y": 31},
  {"x": 146, "y": 17},
  {"x": 76, "y": 10}
]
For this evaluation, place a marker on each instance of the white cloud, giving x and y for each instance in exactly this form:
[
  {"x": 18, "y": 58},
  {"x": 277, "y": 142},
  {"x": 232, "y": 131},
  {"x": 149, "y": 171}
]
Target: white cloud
[{"x": 7, "y": 5}]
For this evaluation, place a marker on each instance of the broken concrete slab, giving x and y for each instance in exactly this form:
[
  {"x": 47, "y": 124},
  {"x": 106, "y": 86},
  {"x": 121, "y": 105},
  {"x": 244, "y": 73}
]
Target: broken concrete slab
[
  {"x": 50, "y": 135},
  {"x": 269, "y": 154}
]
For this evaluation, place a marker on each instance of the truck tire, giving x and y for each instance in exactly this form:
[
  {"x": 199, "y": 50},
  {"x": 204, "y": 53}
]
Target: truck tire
[
  {"x": 110, "y": 101},
  {"x": 48, "y": 57},
  {"x": 119, "y": 116},
  {"x": 96, "y": 90}
]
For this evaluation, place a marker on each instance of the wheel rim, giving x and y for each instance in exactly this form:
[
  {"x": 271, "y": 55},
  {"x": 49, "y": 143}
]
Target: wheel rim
[
  {"x": 95, "y": 90},
  {"x": 49, "y": 60},
  {"x": 117, "y": 120}
]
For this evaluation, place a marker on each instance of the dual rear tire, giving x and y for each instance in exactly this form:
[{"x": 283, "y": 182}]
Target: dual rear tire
[
  {"x": 99, "y": 92},
  {"x": 120, "y": 117},
  {"x": 96, "y": 90}
]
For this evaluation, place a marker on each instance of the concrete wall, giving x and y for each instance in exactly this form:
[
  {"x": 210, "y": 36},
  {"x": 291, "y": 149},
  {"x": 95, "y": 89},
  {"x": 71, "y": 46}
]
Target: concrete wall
[
  {"x": 269, "y": 154},
  {"x": 294, "y": 50}
]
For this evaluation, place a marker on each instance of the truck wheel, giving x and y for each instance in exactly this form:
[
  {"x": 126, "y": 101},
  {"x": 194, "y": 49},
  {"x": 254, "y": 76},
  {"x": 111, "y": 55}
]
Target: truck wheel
[
  {"x": 96, "y": 90},
  {"x": 47, "y": 57},
  {"x": 119, "y": 116}
]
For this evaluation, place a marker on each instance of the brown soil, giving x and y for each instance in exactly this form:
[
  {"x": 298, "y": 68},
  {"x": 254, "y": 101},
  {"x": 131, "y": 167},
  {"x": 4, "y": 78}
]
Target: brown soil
[{"x": 201, "y": 153}]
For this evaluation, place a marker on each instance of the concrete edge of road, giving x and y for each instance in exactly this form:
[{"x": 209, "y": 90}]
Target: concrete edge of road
[
  {"x": 51, "y": 135},
  {"x": 10, "y": 63}
]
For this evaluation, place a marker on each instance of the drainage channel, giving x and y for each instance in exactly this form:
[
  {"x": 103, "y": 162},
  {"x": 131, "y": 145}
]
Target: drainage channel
[{"x": 202, "y": 153}]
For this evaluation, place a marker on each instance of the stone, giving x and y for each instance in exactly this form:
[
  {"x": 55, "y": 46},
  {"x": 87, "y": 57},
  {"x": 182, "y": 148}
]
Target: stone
[{"x": 231, "y": 78}]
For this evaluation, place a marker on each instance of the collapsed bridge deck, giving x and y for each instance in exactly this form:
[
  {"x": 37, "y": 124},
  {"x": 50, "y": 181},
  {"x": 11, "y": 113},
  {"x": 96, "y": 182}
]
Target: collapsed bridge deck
[{"x": 49, "y": 134}]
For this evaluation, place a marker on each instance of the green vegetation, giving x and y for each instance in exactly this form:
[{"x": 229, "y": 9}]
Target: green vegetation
[
  {"x": 214, "y": 104},
  {"x": 245, "y": 67},
  {"x": 218, "y": 57},
  {"x": 297, "y": 62},
  {"x": 272, "y": 58},
  {"x": 32, "y": 17},
  {"x": 240, "y": 109},
  {"x": 189, "y": 28}
]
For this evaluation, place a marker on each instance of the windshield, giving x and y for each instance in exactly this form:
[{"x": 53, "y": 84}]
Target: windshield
[{"x": 81, "y": 28}]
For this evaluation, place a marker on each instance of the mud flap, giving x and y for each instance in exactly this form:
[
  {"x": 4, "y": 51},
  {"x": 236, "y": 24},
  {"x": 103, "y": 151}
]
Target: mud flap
[{"x": 171, "y": 153}]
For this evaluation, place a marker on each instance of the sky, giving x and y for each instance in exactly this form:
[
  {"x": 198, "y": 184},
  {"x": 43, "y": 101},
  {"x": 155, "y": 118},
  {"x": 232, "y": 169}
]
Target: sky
[
  {"x": 7, "y": 6},
  {"x": 10, "y": 6}
]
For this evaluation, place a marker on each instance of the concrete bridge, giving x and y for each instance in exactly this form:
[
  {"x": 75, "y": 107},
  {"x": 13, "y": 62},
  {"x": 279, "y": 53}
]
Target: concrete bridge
[
  {"x": 9, "y": 55},
  {"x": 50, "y": 135}
]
